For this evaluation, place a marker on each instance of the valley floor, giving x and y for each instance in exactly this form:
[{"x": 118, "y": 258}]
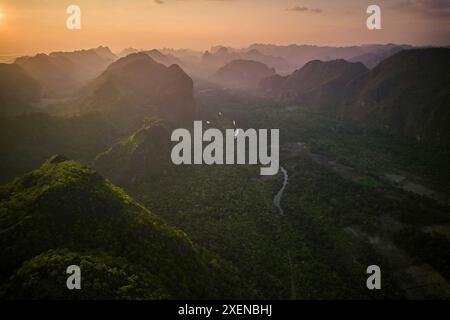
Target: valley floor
[
  {"x": 351, "y": 197},
  {"x": 355, "y": 197}
]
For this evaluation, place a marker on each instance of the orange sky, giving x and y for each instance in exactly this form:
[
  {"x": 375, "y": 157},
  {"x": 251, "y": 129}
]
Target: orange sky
[{"x": 30, "y": 26}]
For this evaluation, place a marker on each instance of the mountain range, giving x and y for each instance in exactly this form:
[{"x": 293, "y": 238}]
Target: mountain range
[
  {"x": 298, "y": 55},
  {"x": 406, "y": 94},
  {"x": 112, "y": 119},
  {"x": 222, "y": 56},
  {"x": 63, "y": 73}
]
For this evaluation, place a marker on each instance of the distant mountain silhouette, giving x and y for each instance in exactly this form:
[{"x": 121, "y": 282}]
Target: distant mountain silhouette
[
  {"x": 222, "y": 56},
  {"x": 185, "y": 55},
  {"x": 165, "y": 59},
  {"x": 63, "y": 73},
  {"x": 136, "y": 86},
  {"x": 299, "y": 55},
  {"x": 127, "y": 51},
  {"x": 374, "y": 57},
  {"x": 243, "y": 74},
  {"x": 18, "y": 90},
  {"x": 317, "y": 84}
]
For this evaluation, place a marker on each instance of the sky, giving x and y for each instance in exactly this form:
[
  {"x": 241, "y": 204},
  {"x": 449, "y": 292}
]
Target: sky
[{"x": 32, "y": 26}]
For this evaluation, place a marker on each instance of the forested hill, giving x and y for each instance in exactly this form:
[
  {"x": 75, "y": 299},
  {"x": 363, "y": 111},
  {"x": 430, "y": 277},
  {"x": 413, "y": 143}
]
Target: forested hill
[
  {"x": 406, "y": 94},
  {"x": 64, "y": 214}
]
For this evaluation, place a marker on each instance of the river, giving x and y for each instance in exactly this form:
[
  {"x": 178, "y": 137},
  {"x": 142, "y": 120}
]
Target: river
[
  {"x": 277, "y": 199},
  {"x": 277, "y": 203}
]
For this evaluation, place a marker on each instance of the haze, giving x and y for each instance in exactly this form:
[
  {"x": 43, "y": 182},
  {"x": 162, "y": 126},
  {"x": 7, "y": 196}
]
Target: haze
[{"x": 39, "y": 26}]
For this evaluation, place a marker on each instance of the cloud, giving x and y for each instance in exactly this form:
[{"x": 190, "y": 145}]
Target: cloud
[
  {"x": 159, "y": 1},
  {"x": 427, "y": 8},
  {"x": 305, "y": 9}
]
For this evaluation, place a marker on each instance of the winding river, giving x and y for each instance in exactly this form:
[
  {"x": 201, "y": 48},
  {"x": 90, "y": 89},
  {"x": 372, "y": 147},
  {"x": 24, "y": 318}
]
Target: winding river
[
  {"x": 277, "y": 199},
  {"x": 277, "y": 203}
]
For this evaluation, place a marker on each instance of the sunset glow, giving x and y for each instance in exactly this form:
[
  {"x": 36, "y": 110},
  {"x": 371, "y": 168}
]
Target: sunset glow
[{"x": 39, "y": 26}]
